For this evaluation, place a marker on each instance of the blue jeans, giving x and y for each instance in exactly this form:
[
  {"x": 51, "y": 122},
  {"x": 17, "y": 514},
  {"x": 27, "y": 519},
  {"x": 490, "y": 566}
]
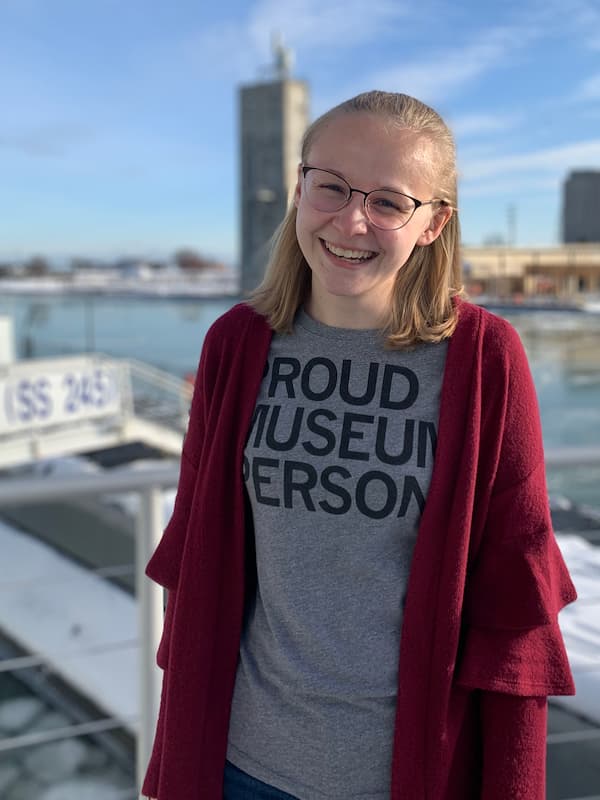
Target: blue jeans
[{"x": 238, "y": 785}]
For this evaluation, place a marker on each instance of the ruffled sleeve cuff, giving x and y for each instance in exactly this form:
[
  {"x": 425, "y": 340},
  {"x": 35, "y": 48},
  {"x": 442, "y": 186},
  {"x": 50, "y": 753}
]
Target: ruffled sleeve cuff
[
  {"x": 517, "y": 584},
  {"x": 528, "y": 663}
]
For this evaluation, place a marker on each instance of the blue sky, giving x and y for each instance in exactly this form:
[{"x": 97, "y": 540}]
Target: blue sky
[{"x": 119, "y": 120}]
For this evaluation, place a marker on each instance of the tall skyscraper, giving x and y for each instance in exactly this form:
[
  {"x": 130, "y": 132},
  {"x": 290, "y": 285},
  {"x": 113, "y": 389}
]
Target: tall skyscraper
[
  {"x": 273, "y": 118},
  {"x": 581, "y": 207}
]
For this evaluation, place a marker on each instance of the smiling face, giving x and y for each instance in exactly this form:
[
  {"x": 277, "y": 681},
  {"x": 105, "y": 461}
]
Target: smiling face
[{"x": 353, "y": 263}]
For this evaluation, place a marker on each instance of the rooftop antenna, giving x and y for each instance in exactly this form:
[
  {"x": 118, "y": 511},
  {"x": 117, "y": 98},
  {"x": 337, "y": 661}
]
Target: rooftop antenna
[
  {"x": 511, "y": 222},
  {"x": 283, "y": 57}
]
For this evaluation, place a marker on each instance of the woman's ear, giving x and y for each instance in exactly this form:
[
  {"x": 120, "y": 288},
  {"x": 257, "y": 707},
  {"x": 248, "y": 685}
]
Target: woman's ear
[{"x": 436, "y": 225}]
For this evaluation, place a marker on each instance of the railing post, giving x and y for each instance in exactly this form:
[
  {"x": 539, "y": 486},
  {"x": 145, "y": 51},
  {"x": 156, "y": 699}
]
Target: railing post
[{"x": 150, "y": 604}]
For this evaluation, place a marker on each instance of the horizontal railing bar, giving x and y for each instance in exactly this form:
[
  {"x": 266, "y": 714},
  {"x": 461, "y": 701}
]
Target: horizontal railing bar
[
  {"x": 69, "y": 732},
  {"x": 55, "y": 362},
  {"x": 579, "y": 669},
  {"x": 25, "y": 662},
  {"x": 587, "y": 797},
  {"x": 567, "y": 456},
  {"x": 116, "y": 571},
  {"x": 573, "y": 736},
  {"x": 18, "y": 490},
  {"x": 160, "y": 378},
  {"x": 129, "y": 794},
  {"x": 120, "y": 571}
]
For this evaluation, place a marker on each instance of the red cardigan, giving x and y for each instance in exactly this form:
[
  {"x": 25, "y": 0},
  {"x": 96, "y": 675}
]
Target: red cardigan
[{"x": 480, "y": 646}]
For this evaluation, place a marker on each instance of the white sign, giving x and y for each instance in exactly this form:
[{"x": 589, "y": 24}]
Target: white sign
[{"x": 44, "y": 393}]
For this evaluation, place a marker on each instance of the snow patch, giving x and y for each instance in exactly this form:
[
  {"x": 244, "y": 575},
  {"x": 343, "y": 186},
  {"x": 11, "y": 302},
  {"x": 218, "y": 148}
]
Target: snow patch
[{"x": 580, "y": 626}]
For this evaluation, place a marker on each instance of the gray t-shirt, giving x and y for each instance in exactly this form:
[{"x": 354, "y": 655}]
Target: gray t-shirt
[{"x": 337, "y": 466}]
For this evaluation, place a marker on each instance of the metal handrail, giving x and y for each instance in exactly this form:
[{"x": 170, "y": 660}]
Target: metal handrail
[
  {"x": 150, "y": 484},
  {"x": 149, "y": 529},
  {"x": 18, "y": 490},
  {"x": 161, "y": 378},
  {"x": 572, "y": 456},
  {"x": 66, "y": 732},
  {"x": 112, "y": 571},
  {"x": 25, "y": 662},
  {"x": 140, "y": 397}
]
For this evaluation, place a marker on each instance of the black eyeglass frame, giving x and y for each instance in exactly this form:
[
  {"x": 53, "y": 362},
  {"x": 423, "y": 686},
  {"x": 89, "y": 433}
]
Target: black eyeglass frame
[{"x": 418, "y": 203}]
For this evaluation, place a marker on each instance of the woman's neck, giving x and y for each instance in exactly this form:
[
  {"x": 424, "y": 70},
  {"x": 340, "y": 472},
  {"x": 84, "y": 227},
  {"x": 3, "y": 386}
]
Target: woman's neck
[{"x": 344, "y": 312}]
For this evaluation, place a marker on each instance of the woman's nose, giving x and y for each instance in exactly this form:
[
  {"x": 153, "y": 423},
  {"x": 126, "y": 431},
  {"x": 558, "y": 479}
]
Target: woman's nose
[{"x": 352, "y": 218}]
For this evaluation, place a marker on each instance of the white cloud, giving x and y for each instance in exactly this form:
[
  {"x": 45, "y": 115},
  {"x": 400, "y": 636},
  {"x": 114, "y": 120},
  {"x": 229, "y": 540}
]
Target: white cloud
[
  {"x": 593, "y": 42},
  {"x": 590, "y": 88},
  {"x": 218, "y": 51},
  {"x": 477, "y": 123},
  {"x": 554, "y": 160},
  {"x": 585, "y": 16},
  {"x": 236, "y": 49},
  {"x": 312, "y": 24},
  {"x": 577, "y": 20},
  {"x": 437, "y": 74}
]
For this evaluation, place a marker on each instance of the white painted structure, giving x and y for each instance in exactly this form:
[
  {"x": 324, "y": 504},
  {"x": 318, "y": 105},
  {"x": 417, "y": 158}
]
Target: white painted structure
[
  {"x": 59, "y": 406},
  {"x": 96, "y": 636},
  {"x": 7, "y": 341}
]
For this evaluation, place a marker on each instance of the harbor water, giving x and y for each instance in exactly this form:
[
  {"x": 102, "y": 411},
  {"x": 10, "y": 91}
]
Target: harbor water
[{"x": 563, "y": 350}]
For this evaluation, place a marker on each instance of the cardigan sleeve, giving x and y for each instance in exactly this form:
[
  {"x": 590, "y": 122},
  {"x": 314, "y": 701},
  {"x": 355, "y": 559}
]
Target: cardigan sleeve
[
  {"x": 164, "y": 566},
  {"x": 229, "y": 372},
  {"x": 512, "y": 642},
  {"x": 512, "y": 649},
  {"x": 151, "y": 779},
  {"x": 517, "y": 581},
  {"x": 514, "y": 746}
]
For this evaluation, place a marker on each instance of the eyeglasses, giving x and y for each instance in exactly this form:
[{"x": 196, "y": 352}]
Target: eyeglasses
[{"x": 385, "y": 209}]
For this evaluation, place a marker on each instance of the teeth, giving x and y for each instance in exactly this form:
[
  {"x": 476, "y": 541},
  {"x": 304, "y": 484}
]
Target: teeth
[{"x": 356, "y": 254}]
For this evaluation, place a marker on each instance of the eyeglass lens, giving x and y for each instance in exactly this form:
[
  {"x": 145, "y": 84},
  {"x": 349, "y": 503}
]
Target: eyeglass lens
[{"x": 329, "y": 192}]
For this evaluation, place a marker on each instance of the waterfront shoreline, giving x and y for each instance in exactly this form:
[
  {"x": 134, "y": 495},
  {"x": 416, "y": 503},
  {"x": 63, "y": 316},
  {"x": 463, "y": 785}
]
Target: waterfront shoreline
[{"x": 228, "y": 288}]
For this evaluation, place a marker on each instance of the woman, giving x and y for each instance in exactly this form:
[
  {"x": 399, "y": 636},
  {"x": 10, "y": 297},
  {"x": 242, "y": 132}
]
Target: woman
[{"x": 347, "y": 616}]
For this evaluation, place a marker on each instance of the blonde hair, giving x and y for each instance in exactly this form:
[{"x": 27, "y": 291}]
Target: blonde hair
[{"x": 421, "y": 309}]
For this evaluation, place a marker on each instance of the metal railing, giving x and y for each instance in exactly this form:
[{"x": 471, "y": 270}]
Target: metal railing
[
  {"x": 572, "y": 456},
  {"x": 149, "y": 527},
  {"x": 159, "y": 396}
]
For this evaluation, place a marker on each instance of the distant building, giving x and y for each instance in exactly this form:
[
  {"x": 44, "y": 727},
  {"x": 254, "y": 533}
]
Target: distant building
[
  {"x": 273, "y": 118},
  {"x": 581, "y": 207},
  {"x": 567, "y": 272}
]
